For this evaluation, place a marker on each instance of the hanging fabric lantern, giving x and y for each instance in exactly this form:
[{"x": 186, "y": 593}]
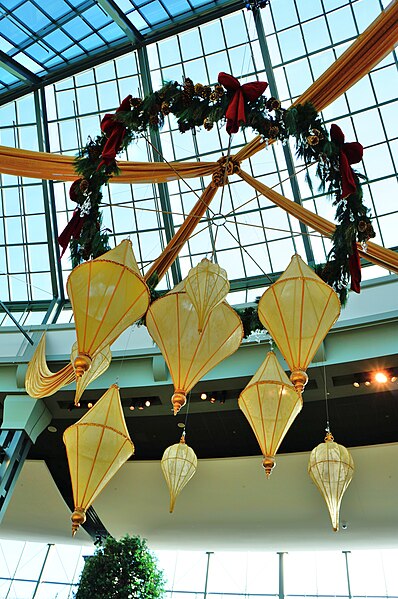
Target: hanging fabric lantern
[
  {"x": 331, "y": 467},
  {"x": 298, "y": 310},
  {"x": 96, "y": 446},
  {"x": 173, "y": 325},
  {"x": 207, "y": 286},
  {"x": 270, "y": 404},
  {"x": 179, "y": 465},
  {"x": 107, "y": 295},
  {"x": 99, "y": 365}
]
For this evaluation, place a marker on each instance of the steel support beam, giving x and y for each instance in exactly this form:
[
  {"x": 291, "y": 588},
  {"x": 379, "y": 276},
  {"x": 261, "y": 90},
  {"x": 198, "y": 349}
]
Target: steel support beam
[
  {"x": 157, "y": 157},
  {"x": 121, "y": 19},
  {"x": 16, "y": 69},
  {"x": 286, "y": 149}
]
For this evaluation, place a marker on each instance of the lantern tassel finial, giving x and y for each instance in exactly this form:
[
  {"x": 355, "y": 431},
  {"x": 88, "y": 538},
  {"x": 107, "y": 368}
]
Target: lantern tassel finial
[
  {"x": 78, "y": 517},
  {"x": 178, "y": 400},
  {"x": 299, "y": 379},
  {"x": 81, "y": 364},
  {"x": 269, "y": 464}
]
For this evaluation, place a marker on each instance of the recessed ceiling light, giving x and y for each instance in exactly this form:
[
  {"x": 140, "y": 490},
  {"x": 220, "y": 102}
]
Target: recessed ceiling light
[
  {"x": 147, "y": 403},
  {"x": 380, "y": 377},
  {"x": 132, "y": 407},
  {"x": 203, "y": 396},
  {"x": 356, "y": 384},
  {"x": 52, "y": 429},
  {"x": 181, "y": 425},
  {"x": 393, "y": 379},
  {"x": 90, "y": 404},
  {"x": 367, "y": 383}
]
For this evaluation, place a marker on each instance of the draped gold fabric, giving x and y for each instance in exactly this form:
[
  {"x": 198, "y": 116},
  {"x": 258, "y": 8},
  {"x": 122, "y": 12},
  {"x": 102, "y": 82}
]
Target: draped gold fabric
[
  {"x": 39, "y": 380},
  {"x": 43, "y": 165}
]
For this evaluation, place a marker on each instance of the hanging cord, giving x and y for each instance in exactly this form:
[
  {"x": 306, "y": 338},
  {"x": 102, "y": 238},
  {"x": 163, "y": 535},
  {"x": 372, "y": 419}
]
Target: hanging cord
[
  {"x": 222, "y": 193},
  {"x": 327, "y": 429},
  {"x": 186, "y": 415}
]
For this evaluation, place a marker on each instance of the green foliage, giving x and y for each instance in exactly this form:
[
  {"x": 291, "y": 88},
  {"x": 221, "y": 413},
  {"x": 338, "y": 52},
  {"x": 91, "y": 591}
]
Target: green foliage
[
  {"x": 123, "y": 569},
  {"x": 197, "y": 105}
]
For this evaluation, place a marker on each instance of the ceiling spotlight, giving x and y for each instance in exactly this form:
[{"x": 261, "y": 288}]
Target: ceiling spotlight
[
  {"x": 380, "y": 377},
  {"x": 147, "y": 403},
  {"x": 356, "y": 384},
  {"x": 140, "y": 406},
  {"x": 212, "y": 399},
  {"x": 78, "y": 405},
  {"x": 90, "y": 404},
  {"x": 132, "y": 407},
  {"x": 203, "y": 396},
  {"x": 394, "y": 379},
  {"x": 52, "y": 429},
  {"x": 367, "y": 383}
]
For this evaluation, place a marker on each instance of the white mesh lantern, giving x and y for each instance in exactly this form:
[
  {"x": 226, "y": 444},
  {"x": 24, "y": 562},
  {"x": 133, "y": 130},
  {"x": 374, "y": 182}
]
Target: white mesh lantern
[{"x": 179, "y": 465}]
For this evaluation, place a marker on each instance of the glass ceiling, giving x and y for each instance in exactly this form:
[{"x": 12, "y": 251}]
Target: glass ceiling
[
  {"x": 40, "y": 38},
  {"x": 250, "y": 237}
]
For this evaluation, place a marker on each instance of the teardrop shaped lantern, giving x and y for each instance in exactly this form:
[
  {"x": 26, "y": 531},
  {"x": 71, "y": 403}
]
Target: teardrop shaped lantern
[
  {"x": 96, "y": 446},
  {"x": 179, "y": 464},
  {"x": 99, "y": 365},
  {"x": 207, "y": 286},
  {"x": 331, "y": 467},
  {"x": 173, "y": 325},
  {"x": 107, "y": 294},
  {"x": 298, "y": 310},
  {"x": 270, "y": 404}
]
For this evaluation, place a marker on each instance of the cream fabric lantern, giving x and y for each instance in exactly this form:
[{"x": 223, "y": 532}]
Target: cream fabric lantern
[
  {"x": 108, "y": 295},
  {"x": 173, "y": 325},
  {"x": 96, "y": 446},
  {"x": 298, "y": 310},
  {"x": 270, "y": 404},
  {"x": 207, "y": 286},
  {"x": 179, "y": 464},
  {"x": 331, "y": 467}
]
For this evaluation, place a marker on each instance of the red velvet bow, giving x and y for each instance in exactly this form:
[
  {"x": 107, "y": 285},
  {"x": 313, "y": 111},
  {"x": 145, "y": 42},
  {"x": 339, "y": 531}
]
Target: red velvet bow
[
  {"x": 354, "y": 263},
  {"x": 236, "y": 109},
  {"x": 350, "y": 153},
  {"x": 72, "y": 230},
  {"x": 115, "y": 133}
]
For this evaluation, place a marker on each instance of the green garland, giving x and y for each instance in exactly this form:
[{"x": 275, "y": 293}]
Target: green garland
[{"x": 205, "y": 106}]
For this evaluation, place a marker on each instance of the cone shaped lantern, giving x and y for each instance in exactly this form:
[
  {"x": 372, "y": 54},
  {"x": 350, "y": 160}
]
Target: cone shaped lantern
[
  {"x": 99, "y": 365},
  {"x": 331, "y": 467},
  {"x": 270, "y": 404},
  {"x": 207, "y": 286},
  {"x": 173, "y": 325},
  {"x": 179, "y": 465},
  {"x": 96, "y": 446},
  {"x": 298, "y": 310},
  {"x": 107, "y": 295}
]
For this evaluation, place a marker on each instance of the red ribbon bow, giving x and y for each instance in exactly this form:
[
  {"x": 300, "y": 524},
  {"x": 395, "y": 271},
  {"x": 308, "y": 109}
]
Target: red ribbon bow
[
  {"x": 350, "y": 153},
  {"x": 236, "y": 109},
  {"x": 115, "y": 133},
  {"x": 72, "y": 230},
  {"x": 354, "y": 263}
]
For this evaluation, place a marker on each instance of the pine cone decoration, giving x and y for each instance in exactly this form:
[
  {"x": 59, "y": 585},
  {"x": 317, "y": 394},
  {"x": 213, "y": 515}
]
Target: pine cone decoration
[
  {"x": 318, "y": 133},
  {"x": 84, "y": 186},
  {"x": 273, "y": 104},
  {"x": 165, "y": 108},
  {"x": 362, "y": 226},
  {"x": 208, "y": 124},
  {"x": 135, "y": 102},
  {"x": 198, "y": 89},
  {"x": 206, "y": 92},
  {"x": 188, "y": 91},
  {"x": 214, "y": 96},
  {"x": 273, "y": 131},
  {"x": 219, "y": 90},
  {"x": 370, "y": 232},
  {"x": 313, "y": 140}
]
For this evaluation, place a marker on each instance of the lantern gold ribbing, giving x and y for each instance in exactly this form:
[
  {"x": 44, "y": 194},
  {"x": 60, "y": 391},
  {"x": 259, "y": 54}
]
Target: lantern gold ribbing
[
  {"x": 270, "y": 404},
  {"x": 331, "y": 467},
  {"x": 179, "y": 465},
  {"x": 96, "y": 446},
  {"x": 107, "y": 295},
  {"x": 207, "y": 286},
  {"x": 298, "y": 310},
  {"x": 173, "y": 325},
  {"x": 99, "y": 365}
]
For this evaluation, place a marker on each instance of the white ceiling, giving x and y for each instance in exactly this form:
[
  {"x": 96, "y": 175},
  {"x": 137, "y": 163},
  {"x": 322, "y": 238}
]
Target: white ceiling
[{"x": 228, "y": 505}]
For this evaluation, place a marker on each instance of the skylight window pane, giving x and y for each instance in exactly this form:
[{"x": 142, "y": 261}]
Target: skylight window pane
[
  {"x": 27, "y": 62},
  {"x": 137, "y": 20},
  {"x": 91, "y": 42},
  {"x": 77, "y": 28},
  {"x": 112, "y": 32},
  {"x": 55, "y": 8},
  {"x": 97, "y": 17},
  {"x": 39, "y": 52},
  {"x": 12, "y": 32},
  {"x": 31, "y": 16},
  {"x": 58, "y": 40},
  {"x": 154, "y": 13}
]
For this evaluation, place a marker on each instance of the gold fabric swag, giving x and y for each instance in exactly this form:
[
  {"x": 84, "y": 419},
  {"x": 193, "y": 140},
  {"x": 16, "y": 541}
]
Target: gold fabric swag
[{"x": 374, "y": 44}]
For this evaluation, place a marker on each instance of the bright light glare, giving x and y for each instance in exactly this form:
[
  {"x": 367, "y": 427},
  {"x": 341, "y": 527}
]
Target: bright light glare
[{"x": 380, "y": 377}]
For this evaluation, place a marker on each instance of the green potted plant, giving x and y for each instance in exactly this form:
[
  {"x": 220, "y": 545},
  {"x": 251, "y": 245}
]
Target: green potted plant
[{"x": 123, "y": 569}]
